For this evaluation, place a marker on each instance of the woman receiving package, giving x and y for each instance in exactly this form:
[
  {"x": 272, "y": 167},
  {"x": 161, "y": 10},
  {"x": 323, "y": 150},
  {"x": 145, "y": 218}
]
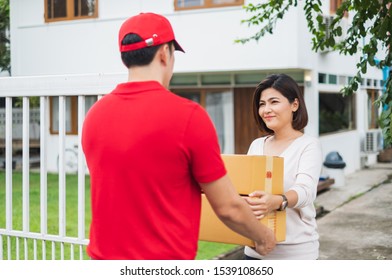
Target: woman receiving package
[{"x": 280, "y": 113}]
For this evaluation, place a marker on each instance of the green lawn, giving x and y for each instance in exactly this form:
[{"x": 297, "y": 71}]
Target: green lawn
[{"x": 207, "y": 250}]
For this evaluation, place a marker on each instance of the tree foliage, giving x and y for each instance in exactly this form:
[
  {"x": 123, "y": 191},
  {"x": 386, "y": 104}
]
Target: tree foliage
[
  {"x": 369, "y": 35},
  {"x": 4, "y": 36}
]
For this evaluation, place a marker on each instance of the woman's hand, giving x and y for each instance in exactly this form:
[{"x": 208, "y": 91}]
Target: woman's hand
[{"x": 262, "y": 203}]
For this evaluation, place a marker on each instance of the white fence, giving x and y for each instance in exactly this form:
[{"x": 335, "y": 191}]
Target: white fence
[{"x": 18, "y": 239}]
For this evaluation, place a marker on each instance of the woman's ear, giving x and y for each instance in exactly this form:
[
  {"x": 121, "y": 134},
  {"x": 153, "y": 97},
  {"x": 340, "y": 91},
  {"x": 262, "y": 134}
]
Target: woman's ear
[{"x": 295, "y": 105}]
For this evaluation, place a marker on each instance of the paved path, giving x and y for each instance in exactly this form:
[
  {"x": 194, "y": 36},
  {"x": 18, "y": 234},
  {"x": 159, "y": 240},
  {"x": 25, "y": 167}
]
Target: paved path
[
  {"x": 358, "y": 220},
  {"x": 360, "y": 229}
]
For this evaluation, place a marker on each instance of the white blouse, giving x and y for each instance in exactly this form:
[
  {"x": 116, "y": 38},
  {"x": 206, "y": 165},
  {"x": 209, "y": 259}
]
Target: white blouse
[{"x": 302, "y": 167}]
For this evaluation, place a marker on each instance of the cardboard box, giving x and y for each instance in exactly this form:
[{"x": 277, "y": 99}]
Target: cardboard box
[{"x": 248, "y": 173}]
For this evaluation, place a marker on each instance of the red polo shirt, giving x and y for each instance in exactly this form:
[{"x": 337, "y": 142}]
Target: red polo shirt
[{"x": 146, "y": 149}]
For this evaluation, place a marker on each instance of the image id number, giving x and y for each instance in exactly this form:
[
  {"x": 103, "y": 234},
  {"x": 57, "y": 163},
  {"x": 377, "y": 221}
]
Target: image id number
[{"x": 228, "y": 270}]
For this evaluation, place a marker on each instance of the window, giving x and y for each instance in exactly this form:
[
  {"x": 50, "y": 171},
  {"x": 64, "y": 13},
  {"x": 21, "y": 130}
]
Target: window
[
  {"x": 200, "y": 4},
  {"x": 334, "y": 5},
  {"x": 71, "y": 113},
  {"x": 219, "y": 105},
  {"x": 336, "y": 112},
  {"x": 57, "y": 10},
  {"x": 322, "y": 78},
  {"x": 332, "y": 79}
]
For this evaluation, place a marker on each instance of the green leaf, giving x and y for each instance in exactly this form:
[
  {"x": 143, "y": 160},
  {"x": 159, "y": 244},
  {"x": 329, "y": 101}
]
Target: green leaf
[{"x": 368, "y": 33}]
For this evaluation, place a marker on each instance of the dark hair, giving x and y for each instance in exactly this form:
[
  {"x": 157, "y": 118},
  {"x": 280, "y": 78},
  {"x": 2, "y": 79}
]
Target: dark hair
[
  {"x": 139, "y": 57},
  {"x": 289, "y": 89}
]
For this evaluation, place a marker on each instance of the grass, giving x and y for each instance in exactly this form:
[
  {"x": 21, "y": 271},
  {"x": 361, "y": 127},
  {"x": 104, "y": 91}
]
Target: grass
[
  {"x": 207, "y": 250},
  {"x": 52, "y": 199},
  {"x": 71, "y": 229}
]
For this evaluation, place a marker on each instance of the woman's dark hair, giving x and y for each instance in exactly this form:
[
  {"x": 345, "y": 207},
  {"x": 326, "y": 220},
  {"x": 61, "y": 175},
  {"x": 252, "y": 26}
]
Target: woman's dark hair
[
  {"x": 138, "y": 57},
  {"x": 289, "y": 89}
]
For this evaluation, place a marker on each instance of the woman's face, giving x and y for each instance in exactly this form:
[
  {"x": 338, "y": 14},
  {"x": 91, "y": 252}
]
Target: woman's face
[{"x": 276, "y": 110}]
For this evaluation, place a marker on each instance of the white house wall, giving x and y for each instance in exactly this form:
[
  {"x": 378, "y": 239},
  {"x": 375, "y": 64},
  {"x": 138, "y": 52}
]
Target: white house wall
[
  {"x": 333, "y": 63},
  {"x": 210, "y": 43},
  {"x": 340, "y": 142},
  {"x": 207, "y": 35}
]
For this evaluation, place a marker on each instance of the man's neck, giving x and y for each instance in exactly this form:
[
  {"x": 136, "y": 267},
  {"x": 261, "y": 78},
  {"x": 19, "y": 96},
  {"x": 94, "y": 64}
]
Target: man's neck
[{"x": 144, "y": 73}]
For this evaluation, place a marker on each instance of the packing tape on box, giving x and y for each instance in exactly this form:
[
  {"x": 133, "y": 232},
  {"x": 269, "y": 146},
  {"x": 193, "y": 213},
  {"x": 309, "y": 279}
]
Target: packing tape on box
[{"x": 248, "y": 173}]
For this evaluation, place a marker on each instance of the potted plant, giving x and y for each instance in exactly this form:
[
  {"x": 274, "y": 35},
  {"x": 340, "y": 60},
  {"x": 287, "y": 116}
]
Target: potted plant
[{"x": 385, "y": 155}]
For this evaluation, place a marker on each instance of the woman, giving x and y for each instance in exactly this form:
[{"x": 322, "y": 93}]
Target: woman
[{"x": 280, "y": 113}]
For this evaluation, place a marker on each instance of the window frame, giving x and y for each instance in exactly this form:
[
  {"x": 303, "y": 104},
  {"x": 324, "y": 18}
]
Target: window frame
[
  {"x": 74, "y": 113},
  {"x": 334, "y": 5},
  {"x": 208, "y": 4},
  {"x": 352, "y": 121},
  {"x": 73, "y": 120},
  {"x": 70, "y": 16},
  {"x": 373, "y": 110},
  {"x": 203, "y": 92}
]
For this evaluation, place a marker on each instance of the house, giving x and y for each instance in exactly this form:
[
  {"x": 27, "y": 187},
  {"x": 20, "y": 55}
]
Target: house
[{"x": 63, "y": 41}]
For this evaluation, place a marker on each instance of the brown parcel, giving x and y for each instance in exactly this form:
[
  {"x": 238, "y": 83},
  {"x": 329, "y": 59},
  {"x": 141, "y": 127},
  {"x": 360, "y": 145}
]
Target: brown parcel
[{"x": 248, "y": 173}]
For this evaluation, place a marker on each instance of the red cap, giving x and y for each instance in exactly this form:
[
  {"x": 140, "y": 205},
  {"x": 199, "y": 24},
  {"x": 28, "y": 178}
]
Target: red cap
[{"x": 154, "y": 29}]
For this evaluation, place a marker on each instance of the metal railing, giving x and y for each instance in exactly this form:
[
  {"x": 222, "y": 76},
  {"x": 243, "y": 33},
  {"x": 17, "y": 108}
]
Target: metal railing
[{"x": 25, "y": 243}]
